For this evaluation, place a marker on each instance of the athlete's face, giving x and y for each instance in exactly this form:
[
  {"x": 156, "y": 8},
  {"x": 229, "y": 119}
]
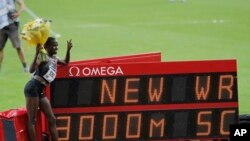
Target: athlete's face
[{"x": 52, "y": 49}]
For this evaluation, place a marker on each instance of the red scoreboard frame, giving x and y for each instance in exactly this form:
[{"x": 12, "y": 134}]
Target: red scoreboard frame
[{"x": 136, "y": 99}]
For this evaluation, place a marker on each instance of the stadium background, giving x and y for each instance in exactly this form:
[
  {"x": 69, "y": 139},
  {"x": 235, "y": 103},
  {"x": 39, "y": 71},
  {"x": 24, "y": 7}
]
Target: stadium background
[{"x": 195, "y": 30}]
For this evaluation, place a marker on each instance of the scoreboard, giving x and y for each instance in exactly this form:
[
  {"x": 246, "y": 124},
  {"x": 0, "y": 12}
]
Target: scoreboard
[{"x": 145, "y": 100}]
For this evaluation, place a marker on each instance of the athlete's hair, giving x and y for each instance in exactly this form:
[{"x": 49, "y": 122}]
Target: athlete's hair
[{"x": 49, "y": 41}]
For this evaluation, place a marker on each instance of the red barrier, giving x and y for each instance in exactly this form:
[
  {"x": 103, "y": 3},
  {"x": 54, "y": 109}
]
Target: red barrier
[
  {"x": 1, "y": 131},
  {"x": 144, "y": 57},
  {"x": 13, "y": 125}
]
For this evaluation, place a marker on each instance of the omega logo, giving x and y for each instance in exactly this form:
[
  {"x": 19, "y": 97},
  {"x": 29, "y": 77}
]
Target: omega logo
[{"x": 95, "y": 71}]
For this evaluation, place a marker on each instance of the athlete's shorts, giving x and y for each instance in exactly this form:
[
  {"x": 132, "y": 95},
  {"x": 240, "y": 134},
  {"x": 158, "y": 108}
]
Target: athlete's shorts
[
  {"x": 34, "y": 88},
  {"x": 11, "y": 32}
]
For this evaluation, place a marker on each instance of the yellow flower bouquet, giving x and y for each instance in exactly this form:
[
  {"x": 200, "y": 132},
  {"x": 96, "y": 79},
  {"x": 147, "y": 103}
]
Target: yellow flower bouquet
[{"x": 37, "y": 32}]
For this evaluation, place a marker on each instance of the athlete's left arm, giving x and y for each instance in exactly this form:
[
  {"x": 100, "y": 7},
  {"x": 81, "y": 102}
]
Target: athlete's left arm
[{"x": 67, "y": 57}]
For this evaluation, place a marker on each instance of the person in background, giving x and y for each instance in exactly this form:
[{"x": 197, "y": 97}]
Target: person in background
[
  {"x": 44, "y": 73},
  {"x": 9, "y": 26}
]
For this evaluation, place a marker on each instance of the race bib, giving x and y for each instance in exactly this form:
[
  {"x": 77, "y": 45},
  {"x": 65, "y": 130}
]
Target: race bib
[{"x": 50, "y": 75}]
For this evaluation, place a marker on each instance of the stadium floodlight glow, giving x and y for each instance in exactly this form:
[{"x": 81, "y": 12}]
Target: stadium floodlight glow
[{"x": 34, "y": 16}]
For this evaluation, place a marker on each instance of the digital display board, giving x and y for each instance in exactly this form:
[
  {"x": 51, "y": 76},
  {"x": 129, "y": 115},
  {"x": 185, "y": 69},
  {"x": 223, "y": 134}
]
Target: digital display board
[{"x": 146, "y": 101}]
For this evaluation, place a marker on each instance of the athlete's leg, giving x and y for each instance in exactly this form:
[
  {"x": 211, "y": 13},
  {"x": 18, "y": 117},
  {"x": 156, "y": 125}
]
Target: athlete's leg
[
  {"x": 46, "y": 108},
  {"x": 32, "y": 104}
]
